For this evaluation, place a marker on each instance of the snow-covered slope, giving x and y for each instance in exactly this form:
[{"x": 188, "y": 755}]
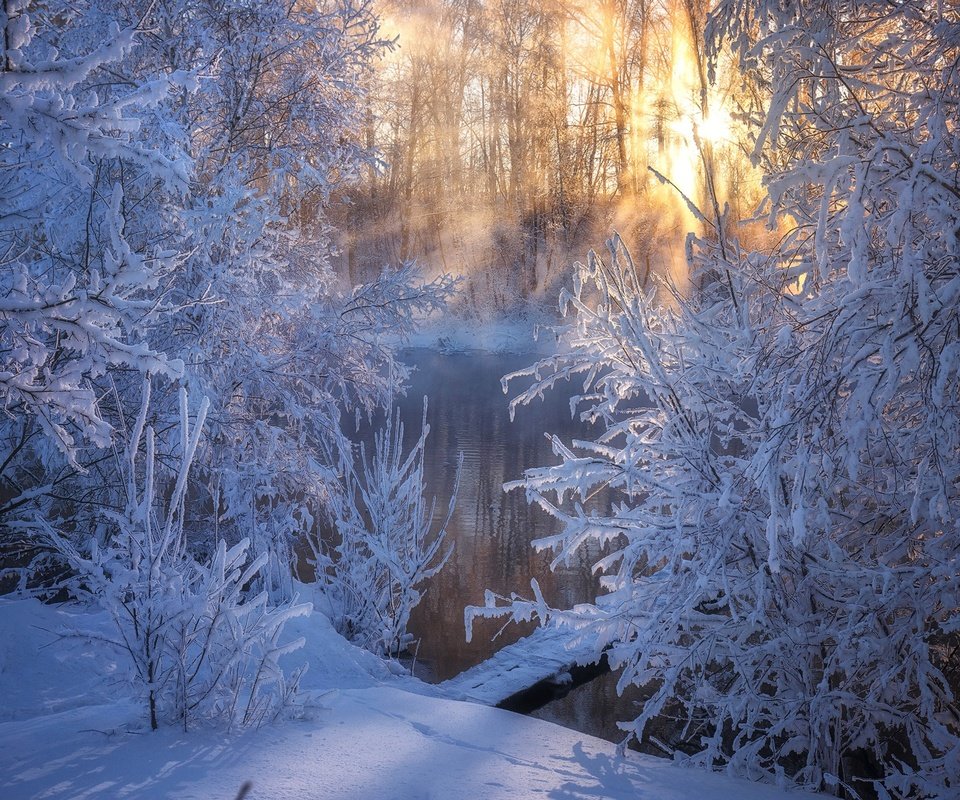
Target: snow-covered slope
[{"x": 362, "y": 734}]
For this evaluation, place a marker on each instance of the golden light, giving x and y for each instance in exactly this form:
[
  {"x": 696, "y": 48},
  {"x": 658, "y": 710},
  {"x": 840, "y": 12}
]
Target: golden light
[
  {"x": 714, "y": 129},
  {"x": 697, "y": 130}
]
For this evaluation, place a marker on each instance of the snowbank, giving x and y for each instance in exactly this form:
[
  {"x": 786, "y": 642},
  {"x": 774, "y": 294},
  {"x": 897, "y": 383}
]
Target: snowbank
[{"x": 364, "y": 732}]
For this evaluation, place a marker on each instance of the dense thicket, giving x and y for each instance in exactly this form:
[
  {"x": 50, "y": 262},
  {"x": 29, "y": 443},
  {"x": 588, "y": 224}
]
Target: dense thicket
[
  {"x": 165, "y": 169},
  {"x": 783, "y": 443}
]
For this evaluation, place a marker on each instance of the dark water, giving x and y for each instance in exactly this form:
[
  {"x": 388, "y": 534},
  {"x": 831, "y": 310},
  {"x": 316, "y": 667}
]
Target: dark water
[{"x": 492, "y": 529}]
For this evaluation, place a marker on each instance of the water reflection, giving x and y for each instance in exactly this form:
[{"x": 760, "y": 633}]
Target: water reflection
[
  {"x": 491, "y": 529},
  {"x": 595, "y": 708}
]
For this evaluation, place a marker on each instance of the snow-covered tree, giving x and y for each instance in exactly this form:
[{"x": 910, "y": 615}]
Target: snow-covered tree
[
  {"x": 783, "y": 446},
  {"x": 187, "y": 174},
  {"x": 383, "y": 545},
  {"x": 89, "y": 184},
  {"x": 278, "y": 343}
]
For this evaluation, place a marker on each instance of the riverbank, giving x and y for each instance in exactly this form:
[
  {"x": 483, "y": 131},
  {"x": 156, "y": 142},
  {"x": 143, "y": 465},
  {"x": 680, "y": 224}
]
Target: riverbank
[{"x": 69, "y": 729}]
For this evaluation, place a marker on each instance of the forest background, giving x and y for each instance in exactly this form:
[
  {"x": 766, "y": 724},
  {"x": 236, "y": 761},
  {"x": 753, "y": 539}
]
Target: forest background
[{"x": 514, "y": 135}]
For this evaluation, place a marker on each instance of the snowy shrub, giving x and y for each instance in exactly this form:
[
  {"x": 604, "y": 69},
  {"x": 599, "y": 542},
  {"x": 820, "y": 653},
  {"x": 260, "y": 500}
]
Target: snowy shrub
[
  {"x": 772, "y": 582},
  {"x": 304, "y": 357},
  {"x": 201, "y": 647},
  {"x": 385, "y": 546},
  {"x": 783, "y": 446}
]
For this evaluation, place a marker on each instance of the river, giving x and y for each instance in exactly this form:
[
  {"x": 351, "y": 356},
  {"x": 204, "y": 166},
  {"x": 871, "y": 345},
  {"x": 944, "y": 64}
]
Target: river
[{"x": 492, "y": 530}]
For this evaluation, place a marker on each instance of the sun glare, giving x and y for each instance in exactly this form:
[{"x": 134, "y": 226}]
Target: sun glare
[{"x": 714, "y": 128}]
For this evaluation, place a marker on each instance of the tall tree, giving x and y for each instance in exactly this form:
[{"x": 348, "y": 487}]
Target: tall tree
[{"x": 79, "y": 269}]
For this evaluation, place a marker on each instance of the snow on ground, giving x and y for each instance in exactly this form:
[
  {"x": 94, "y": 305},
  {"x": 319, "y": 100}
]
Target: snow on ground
[{"x": 67, "y": 731}]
